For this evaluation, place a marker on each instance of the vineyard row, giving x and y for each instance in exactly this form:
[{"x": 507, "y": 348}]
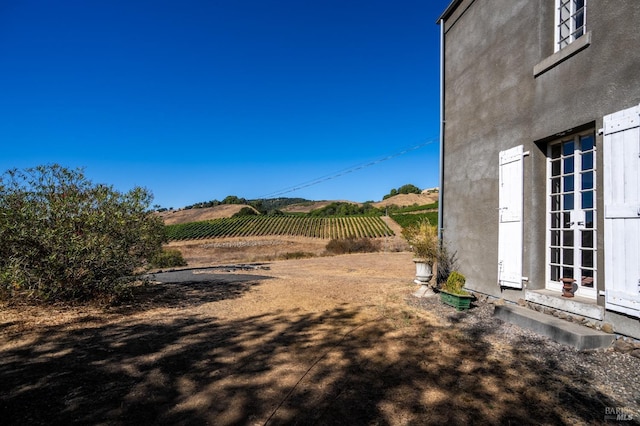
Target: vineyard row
[{"x": 253, "y": 226}]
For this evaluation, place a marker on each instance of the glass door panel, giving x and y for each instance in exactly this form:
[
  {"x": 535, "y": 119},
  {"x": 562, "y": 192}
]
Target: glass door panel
[{"x": 571, "y": 214}]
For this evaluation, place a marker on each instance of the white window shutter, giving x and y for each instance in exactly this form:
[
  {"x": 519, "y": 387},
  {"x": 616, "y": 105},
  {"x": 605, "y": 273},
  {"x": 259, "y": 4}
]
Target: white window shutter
[
  {"x": 510, "y": 218},
  {"x": 621, "y": 156}
]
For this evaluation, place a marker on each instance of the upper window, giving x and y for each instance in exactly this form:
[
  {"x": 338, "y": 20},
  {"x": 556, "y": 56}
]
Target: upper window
[{"x": 571, "y": 20}]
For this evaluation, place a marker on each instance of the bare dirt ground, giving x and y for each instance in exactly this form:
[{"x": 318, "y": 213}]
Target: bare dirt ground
[
  {"x": 324, "y": 340},
  {"x": 218, "y": 251}
]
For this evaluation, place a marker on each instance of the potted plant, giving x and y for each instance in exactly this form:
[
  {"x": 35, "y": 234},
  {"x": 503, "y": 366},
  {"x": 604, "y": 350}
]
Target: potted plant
[
  {"x": 423, "y": 239},
  {"x": 453, "y": 294}
]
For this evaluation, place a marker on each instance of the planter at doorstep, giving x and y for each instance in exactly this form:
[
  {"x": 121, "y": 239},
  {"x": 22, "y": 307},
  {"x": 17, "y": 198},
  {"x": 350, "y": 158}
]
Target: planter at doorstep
[
  {"x": 458, "y": 301},
  {"x": 568, "y": 287},
  {"x": 424, "y": 271}
]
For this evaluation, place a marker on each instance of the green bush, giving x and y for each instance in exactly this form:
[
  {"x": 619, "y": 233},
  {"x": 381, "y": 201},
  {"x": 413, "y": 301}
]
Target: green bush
[
  {"x": 64, "y": 238},
  {"x": 352, "y": 245},
  {"x": 454, "y": 284},
  {"x": 246, "y": 211},
  {"x": 340, "y": 208},
  {"x": 167, "y": 258},
  {"x": 411, "y": 219}
]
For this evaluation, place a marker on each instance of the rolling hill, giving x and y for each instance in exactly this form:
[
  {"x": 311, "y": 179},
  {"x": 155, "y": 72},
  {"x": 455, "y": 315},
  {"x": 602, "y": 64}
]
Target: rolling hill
[{"x": 172, "y": 217}]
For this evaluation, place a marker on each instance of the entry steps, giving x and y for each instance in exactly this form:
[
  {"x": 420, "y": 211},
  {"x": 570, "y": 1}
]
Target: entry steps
[{"x": 572, "y": 334}]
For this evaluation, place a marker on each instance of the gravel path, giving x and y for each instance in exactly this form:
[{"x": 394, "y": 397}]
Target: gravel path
[{"x": 614, "y": 374}]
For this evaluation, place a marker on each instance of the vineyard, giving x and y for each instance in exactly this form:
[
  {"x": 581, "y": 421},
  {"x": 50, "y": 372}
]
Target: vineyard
[
  {"x": 410, "y": 219},
  {"x": 253, "y": 226}
]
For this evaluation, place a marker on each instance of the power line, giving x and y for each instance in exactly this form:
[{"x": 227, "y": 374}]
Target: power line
[{"x": 343, "y": 172}]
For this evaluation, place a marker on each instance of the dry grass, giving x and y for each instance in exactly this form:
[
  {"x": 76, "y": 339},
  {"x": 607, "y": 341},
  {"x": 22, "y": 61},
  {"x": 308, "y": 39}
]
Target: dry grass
[
  {"x": 327, "y": 340},
  {"x": 195, "y": 215},
  {"x": 260, "y": 249},
  {"x": 402, "y": 200}
]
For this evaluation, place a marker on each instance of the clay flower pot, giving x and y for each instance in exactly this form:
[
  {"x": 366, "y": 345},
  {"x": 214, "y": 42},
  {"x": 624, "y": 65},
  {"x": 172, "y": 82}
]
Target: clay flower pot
[{"x": 567, "y": 287}]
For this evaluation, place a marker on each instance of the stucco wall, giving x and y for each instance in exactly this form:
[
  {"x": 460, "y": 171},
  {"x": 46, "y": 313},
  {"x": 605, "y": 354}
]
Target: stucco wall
[
  {"x": 493, "y": 102},
  {"x": 599, "y": 80},
  {"x": 488, "y": 101}
]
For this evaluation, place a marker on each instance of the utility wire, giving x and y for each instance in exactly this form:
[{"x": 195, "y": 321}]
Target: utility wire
[{"x": 343, "y": 172}]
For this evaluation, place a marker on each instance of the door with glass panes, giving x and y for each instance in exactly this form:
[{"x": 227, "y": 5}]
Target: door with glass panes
[{"x": 571, "y": 218}]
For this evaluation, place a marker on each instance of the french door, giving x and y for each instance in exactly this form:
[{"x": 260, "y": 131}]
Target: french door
[{"x": 571, "y": 214}]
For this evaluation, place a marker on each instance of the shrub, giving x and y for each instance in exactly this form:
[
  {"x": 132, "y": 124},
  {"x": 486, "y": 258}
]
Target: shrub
[
  {"x": 297, "y": 255},
  {"x": 423, "y": 239},
  {"x": 454, "y": 284},
  {"x": 64, "y": 238},
  {"x": 340, "y": 208},
  {"x": 168, "y": 258},
  {"x": 409, "y": 219},
  {"x": 352, "y": 245},
  {"x": 447, "y": 262},
  {"x": 246, "y": 211}
]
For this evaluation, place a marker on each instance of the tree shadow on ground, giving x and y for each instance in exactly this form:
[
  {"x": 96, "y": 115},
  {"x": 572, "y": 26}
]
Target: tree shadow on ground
[
  {"x": 190, "y": 288},
  {"x": 285, "y": 367}
]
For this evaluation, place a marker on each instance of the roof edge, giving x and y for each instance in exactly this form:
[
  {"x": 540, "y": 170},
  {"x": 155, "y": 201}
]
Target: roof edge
[{"x": 449, "y": 10}]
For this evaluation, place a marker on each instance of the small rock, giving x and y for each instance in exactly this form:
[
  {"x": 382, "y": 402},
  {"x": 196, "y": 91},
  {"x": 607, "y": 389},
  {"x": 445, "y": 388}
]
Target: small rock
[
  {"x": 569, "y": 318},
  {"x": 562, "y": 315},
  {"x": 499, "y": 302},
  {"x": 522, "y": 302},
  {"x": 607, "y": 328},
  {"x": 635, "y": 353},
  {"x": 623, "y": 346},
  {"x": 579, "y": 319}
]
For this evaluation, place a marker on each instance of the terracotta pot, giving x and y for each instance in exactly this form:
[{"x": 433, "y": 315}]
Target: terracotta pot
[{"x": 567, "y": 287}]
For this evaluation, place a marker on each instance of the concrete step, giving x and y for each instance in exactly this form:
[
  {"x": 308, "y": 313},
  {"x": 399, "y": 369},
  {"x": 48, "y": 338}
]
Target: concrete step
[{"x": 578, "y": 336}]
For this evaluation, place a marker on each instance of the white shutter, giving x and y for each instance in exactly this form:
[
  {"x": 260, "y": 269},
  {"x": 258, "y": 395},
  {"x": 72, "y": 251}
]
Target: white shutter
[
  {"x": 621, "y": 155},
  {"x": 510, "y": 218}
]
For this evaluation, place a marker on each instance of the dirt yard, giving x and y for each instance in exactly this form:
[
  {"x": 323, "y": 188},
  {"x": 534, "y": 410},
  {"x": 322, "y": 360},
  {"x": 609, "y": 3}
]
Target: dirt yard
[{"x": 324, "y": 340}]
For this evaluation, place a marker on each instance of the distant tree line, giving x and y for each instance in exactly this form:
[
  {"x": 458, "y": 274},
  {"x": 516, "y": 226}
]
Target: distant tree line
[
  {"x": 262, "y": 205},
  {"x": 346, "y": 209},
  {"x": 273, "y": 205}
]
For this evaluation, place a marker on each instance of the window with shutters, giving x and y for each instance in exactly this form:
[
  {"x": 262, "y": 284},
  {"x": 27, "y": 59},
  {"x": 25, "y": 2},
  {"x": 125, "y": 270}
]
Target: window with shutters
[
  {"x": 571, "y": 20},
  {"x": 571, "y": 213}
]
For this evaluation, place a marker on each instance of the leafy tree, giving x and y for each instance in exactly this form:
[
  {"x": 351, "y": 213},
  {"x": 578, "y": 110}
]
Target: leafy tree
[
  {"x": 232, "y": 199},
  {"x": 258, "y": 205},
  {"x": 64, "y": 238},
  {"x": 246, "y": 211},
  {"x": 409, "y": 189},
  {"x": 345, "y": 209},
  {"x": 404, "y": 189}
]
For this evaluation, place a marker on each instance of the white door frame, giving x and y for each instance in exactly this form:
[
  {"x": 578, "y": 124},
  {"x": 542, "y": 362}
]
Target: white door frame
[{"x": 571, "y": 214}]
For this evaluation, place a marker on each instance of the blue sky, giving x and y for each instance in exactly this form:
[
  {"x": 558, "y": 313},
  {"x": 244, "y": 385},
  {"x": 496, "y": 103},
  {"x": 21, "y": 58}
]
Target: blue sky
[{"x": 197, "y": 100}]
